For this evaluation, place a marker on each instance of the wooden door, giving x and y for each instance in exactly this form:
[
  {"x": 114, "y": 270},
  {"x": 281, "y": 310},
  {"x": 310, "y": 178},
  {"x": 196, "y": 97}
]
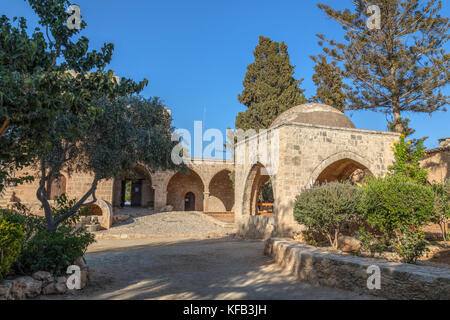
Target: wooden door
[
  {"x": 189, "y": 202},
  {"x": 136, "y": 193}
]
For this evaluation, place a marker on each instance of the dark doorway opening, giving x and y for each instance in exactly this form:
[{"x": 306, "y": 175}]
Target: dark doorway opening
[
  {"x": 189, "y": 202},
  {"x": 131, "y": 194}
]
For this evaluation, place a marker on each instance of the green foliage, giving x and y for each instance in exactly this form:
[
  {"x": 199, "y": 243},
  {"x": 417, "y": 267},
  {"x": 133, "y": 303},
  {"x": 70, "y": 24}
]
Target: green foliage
[
  {"x": 396, "y": 202},
  {"x": 407, "y": 156},
  {"x": 372, "y": 243},
  {"x": 128, "y": 131},
  {"x": 441, "y": 212},
  {"x": 411, "y": 245},
  {"x": 55, "y": 251},
  {"x": 44, "y": 75},
  {"x": 396, "y": 207},
  {"x": 269, "y": 86},
  {"x": 328, "y": 208},
  {"x": 401, "y": 67},
  {"x": 50, "y": 251},
  {"x": 328, "y": 80},
  {"x": 266, "y": 194},
  {"x": 11, "y": 238}
]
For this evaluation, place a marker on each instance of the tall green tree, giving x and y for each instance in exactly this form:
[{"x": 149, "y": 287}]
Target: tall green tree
[
  {"x": 128, "y": 131},
  {"x": 269, "y": 86},
  {"x": 328, "y": 80},
  {"x": 43, "y": 73},
  {"x": 400, "y": 67},
  {"x": 66, "y": 112}
]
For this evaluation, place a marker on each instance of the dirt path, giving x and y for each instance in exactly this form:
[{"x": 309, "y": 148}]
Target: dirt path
[{"x": 193, "y": 269}]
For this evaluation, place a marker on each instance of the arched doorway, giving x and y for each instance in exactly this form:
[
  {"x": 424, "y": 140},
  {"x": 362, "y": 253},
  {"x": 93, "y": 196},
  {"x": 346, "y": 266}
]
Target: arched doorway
[
  {"x": 134, "y": 189},
  {"x": 221, "y": 193},
  {"x": 344, "y": 170},
  {"x": 189, "y": 202},
  {"x": 258, "y": 192},
  {"x": 180, "y": 184}
]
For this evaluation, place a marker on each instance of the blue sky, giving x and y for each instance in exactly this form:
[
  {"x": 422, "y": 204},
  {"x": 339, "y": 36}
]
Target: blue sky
[{"x": 195, "y": 53}]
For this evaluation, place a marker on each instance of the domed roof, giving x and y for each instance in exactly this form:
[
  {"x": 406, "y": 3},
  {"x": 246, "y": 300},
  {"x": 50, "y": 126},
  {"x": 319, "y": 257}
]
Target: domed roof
[{"x": 315, "y": 114}]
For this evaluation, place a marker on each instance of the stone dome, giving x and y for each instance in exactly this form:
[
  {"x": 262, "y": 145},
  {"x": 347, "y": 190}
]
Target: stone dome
[{"x": 315, "y": 114}]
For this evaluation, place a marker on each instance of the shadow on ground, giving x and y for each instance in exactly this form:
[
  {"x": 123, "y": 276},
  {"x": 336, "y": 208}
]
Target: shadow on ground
[{"x": 192, "y": 269}]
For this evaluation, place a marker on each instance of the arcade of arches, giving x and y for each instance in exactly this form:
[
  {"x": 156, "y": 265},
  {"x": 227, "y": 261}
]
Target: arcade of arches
[{"x": 308, "y": 144}]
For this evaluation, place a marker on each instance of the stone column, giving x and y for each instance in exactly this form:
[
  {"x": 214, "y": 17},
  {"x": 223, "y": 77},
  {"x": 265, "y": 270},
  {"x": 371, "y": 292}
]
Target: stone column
[
  {"x": 205, "y": 201},
  {"x": 160, "y": 197}
]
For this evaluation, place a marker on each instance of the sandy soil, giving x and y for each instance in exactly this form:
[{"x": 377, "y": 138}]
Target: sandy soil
[{"x": 191, "y": 269}]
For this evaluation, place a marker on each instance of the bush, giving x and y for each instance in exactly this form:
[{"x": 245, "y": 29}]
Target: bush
[
  {"x": 50, "y": 251},
  {"x": 441, "y": 212},
  {"x": 411, "y": 246},
  {"x": 408, "y": 155},
  {"x": 54, "y": 251},
  {"x": 396, "y": 203},
  {"x": 11, "y": 238},
  {"x": 328, "y": 208},
  {"x": 396, "y": 207}
]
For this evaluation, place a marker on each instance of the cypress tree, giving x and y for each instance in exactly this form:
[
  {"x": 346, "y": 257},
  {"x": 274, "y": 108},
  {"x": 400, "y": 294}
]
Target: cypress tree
[
  {"x": 328, "y": 80},
  {"x": 269, "y": 86}
]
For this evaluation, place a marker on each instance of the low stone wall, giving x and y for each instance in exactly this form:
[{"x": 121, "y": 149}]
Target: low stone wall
[
  {"x": 321, "y": 267},
  {"x": 40, "y": 283},
  {"x": 256, "y": 227}
]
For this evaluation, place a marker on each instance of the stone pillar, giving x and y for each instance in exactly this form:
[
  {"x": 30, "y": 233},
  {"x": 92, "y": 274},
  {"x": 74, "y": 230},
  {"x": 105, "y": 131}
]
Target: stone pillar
[
  {"x": 160, "y": 197},
  {"x": 205, "y": 201}
]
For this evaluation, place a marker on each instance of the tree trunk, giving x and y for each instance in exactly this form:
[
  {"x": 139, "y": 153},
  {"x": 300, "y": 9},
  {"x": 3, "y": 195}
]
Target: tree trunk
[
  {"x": 4, "y": 126},
  {"x": 398, "y": 127}
]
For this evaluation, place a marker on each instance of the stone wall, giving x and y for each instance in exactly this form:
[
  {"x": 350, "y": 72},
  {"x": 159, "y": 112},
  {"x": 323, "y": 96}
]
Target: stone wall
[
  {"x": 296, "y": 155},
  {"x": 437, "y": 162},
  {"x": 210, "y": 183},
  {"x": 320, "y": 267}
]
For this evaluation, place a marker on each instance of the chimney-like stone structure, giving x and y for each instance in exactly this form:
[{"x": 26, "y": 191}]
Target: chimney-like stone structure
[{"x": 444, "y": 143}]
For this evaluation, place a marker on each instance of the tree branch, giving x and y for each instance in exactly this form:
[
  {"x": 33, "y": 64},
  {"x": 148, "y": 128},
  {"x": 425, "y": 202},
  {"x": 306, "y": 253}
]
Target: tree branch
[{"x": 79, "y": 204}]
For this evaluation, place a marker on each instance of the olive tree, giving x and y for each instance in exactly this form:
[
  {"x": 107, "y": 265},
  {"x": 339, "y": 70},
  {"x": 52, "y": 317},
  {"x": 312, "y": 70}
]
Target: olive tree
[
  {"x": 45, "y": 73},
  {"x": 127, "y": 131}
]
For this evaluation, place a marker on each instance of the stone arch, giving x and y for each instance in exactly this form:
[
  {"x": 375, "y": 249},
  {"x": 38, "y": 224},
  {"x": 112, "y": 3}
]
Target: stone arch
[
  {"x": 180, "y": 184},
  {"x": 221, "y": 192},
  {"x": 339, "y": 167},
  {"x": 142, "y": 179},
  {"x": 107, "y": 214},
  {"x": 255, "y": 180},
  {"x": 56, "y": 186}
]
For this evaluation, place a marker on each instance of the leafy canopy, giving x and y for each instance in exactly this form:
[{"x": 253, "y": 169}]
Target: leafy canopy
[
  {"x": 399, "y": 68},
  {"x": 269, "y": 86}
]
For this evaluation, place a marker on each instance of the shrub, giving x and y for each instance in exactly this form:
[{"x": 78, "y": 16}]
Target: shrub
[
  {"x": 50, "y": 251},
  {"x": 326, "y": 209},
  {"x": 396, "y": 202},
  {"x": 411, "y": 246},
  {"x": 11, "y": 238},
  {"x": 441, "y": 212},
  {"x": 396, "y": 207},
  {"x": 54, "y": 251},
  {"x": 408, "y": 155}
]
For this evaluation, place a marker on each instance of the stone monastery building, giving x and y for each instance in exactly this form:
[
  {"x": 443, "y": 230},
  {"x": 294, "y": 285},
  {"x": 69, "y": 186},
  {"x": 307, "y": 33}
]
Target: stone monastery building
[{"x": 306, "y": 144}]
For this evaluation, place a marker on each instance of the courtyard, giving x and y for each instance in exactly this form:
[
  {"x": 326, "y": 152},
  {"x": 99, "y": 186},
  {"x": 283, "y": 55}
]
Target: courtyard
[{"x": 167, "y": 269}]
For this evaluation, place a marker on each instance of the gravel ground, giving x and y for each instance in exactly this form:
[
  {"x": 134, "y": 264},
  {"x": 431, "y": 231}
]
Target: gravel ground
[
  {"x": 199, "y": 269},
  {"x": 145, "y": 221}
]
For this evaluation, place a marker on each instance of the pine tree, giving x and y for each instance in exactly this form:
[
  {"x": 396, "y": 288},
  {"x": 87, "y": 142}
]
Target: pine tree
[
  {"x": 269, "y": 86},
  {"x": 328, "y": 79},
  {"x": 399, "y": 67}
]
